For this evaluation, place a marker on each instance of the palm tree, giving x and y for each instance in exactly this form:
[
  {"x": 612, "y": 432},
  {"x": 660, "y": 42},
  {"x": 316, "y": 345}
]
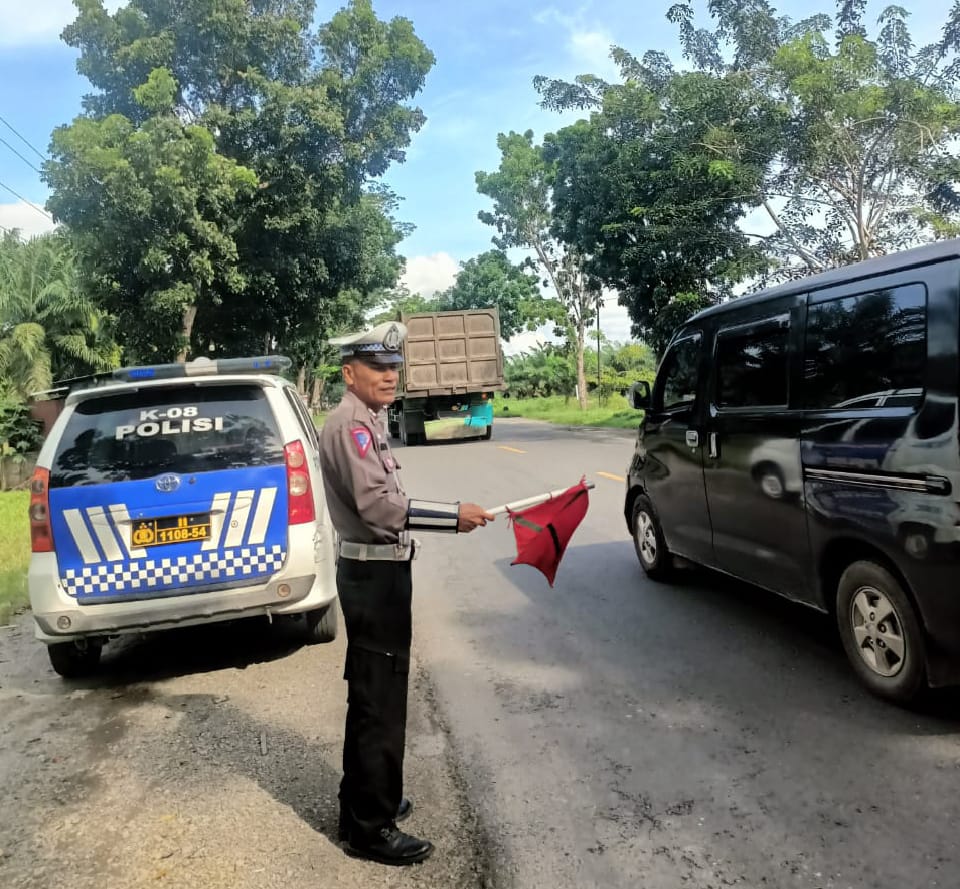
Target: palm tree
[{"x": 49, "y": 328}]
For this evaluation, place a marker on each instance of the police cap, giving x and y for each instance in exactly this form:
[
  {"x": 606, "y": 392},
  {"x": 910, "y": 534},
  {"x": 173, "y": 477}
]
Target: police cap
[{"x": 381, "y": 345}]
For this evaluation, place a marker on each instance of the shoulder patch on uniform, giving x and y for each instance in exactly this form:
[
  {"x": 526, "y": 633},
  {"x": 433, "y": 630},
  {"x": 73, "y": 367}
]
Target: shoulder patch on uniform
[{"x": 362, "y": 439}]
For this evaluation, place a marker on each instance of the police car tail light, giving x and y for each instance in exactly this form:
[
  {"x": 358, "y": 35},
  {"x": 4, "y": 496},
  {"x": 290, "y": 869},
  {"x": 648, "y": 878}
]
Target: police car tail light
[
  {"x": 41, "y": 537},
  {"x": 299, "y": 493}
]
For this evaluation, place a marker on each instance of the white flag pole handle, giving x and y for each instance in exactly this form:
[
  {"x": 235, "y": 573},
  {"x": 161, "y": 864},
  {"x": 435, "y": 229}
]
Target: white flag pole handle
[{"x": 531, "y": 501}]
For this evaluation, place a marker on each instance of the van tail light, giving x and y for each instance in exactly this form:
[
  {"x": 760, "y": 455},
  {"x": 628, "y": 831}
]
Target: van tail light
[
  {"x": 41, "y": 535},
  {"x": 299, "y": 492}
]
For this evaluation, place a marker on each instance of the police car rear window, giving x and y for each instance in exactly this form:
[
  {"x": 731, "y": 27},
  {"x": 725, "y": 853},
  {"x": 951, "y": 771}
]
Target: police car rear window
[{"x": 137, "y": 435}]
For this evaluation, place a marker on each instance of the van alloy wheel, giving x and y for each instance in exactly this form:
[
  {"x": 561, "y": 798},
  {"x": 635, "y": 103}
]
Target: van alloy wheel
[
  {"x": 881, "y": 632},
  {"x": 878, "y": 630},
  {"x": 648, "y": 541},
  {"x": 646, "y": 538}
]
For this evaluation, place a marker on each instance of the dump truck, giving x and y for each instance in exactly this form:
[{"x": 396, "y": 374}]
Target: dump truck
[{"x": 453, "y": 365}]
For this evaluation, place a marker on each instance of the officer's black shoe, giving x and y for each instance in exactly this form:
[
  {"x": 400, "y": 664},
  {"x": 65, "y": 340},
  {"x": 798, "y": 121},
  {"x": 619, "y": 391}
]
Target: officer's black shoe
[
  {"x": 403, "y": 812},
  {"x": 391, "y": 846}
]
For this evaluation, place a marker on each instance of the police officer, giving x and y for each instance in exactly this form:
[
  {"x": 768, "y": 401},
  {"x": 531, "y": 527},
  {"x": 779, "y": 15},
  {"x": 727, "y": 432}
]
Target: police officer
[{"x": 374, "y": 518}]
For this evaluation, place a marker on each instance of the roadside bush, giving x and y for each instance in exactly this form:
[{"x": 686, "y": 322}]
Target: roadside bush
[{"x": 20, "y": 434}]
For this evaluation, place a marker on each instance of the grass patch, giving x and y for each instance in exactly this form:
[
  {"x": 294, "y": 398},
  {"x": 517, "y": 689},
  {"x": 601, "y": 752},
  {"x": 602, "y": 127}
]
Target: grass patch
[
  {"x": 614, "y": 412},
  {"x": 14, "y": 552}
]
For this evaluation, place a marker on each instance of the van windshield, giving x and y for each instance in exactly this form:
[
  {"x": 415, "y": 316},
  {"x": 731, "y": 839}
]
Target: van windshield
[{"x": 136, "y": 435}]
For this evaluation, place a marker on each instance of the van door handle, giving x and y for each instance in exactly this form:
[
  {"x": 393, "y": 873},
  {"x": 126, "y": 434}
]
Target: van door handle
[
  {"x": 693, "y": 438},
  {"x": 714, "y": 450}
]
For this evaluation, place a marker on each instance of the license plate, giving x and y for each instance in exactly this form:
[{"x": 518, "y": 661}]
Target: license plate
[{"x": 171, "y": 529}]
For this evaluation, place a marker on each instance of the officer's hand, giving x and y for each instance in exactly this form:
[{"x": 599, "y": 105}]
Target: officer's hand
[{"x": 472, "y": 516}]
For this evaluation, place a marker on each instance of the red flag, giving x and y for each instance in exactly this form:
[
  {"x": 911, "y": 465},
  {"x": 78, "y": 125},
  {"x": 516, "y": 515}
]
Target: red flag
[{"x": 543, "y": 531}]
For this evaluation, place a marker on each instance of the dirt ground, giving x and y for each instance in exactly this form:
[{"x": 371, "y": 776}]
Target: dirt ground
[{"x": 205, "y": 758}]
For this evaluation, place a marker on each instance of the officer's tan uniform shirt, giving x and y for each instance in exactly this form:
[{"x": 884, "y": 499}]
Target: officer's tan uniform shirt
[{"x": 367, "y": 503}]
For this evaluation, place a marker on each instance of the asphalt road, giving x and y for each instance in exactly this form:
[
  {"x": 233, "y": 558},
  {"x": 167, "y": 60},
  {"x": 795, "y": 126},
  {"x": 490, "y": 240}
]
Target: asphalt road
[{"x": 617, "y": 732}]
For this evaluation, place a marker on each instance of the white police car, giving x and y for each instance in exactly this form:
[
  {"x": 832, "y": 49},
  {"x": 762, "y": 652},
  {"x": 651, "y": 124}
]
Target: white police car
[{"x": 174, "y": 495}]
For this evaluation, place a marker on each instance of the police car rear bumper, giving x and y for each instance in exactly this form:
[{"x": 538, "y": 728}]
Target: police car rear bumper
[{"x": 115, "y": 618}]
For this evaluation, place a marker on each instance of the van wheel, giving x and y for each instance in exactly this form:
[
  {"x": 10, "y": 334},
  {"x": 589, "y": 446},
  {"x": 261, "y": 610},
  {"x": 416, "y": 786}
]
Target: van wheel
[
  {"x": 881, "y": 633},
  {"x": 488, "y": 434},
  {"x": 75, "y": 660},
  {"x": 321, "y": 624},
  {"x": 649, "y": 542}
]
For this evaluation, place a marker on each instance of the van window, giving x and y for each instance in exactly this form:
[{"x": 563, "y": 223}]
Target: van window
[
  {"x": 677, "y": 380},
  {"x": 752, "y": 363},
  {"x": 136, "y": 435},
  {"x": 861, "y": 350}
]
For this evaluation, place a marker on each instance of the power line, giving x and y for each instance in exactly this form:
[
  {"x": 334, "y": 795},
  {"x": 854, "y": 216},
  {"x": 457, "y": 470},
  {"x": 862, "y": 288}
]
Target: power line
[
  {"x": 22, "y": 198},
  {"x": 9, "y": 126},
  {"x": 17, "y": 153}
]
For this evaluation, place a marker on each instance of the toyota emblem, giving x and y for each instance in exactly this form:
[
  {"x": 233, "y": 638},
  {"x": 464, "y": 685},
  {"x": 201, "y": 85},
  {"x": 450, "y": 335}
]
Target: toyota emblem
[{"x": 168, "y": 483}]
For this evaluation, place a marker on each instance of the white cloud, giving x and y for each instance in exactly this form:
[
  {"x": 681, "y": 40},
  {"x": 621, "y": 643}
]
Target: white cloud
[
  {"x": 588, "y": 47},
  {"x": 428, "y": 275},
  {"x": 39, "y": 21},
  {"x": 24, "y": 217}
]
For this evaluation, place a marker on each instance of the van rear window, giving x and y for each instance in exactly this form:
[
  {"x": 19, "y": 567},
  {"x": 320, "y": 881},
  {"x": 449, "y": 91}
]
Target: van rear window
[{"x": 137, "y": 435}]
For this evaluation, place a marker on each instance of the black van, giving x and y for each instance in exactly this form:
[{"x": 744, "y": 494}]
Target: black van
[{"x": 805, "y": 439}]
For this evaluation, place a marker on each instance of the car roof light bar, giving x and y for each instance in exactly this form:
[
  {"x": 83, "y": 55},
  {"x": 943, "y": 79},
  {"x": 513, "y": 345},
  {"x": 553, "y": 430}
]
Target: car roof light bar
[{"x": 201, "y": 367}]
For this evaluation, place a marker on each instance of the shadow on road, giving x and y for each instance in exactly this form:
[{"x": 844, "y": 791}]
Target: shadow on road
[{"x": 718, "y": 638}]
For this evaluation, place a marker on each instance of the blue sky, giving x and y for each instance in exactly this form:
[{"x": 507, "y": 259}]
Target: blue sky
[{"x": 487, "y": 55}]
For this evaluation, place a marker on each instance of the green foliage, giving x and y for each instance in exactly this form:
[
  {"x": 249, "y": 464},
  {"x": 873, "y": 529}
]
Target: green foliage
[
  {"x": 160, "y": 249},
  {"x": 222, "y": 181},
  {"x": 546, "y": 370},
  {"x": 393, "y": 304},
  {"x": 864, "y": 162},
  {"x": 640, "y": 193},
  {"x": 49, "y": 328},
  {"x": 19, "y": 433},
  {"x": 846, "y": 142}
]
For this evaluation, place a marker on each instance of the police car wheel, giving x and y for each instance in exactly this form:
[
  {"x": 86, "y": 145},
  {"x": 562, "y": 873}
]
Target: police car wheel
[
  {"x": 74, "y": 660},
  {"x": 648, "y": 541},
  {"x": 321, "y": 624},
  {"x": 881, "y": 634}
]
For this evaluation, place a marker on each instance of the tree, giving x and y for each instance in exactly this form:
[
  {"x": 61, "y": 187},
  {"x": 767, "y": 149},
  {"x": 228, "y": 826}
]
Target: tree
[
  {"x": 847, "y": 150},
  {"x": 491, "y": 280},
  {"x": 49, "y": 330},
  {"x": 287, "y": 232},
  {"x": 158, "y": 236},
  {"x": 866, "y": 162},
  {"x": 640, "y": 194},
  {"x": 521, "y": 190},
  {"x": 542, "y": 371},
  {"x": 392, "y": 304}
]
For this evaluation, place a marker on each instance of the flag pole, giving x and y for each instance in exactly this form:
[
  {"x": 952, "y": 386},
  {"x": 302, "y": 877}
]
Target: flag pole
[{"x": 531, "y": 501}]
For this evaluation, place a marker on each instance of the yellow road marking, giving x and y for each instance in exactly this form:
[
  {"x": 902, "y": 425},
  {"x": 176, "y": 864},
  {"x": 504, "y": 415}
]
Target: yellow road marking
[
  {"x": 610, "y": 475},
  {"x": 511, "y": 450}
]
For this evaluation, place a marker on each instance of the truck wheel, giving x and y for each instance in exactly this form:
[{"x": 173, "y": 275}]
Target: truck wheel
[
  {"x": 321, "y": 624},
  {"x": 75, "y": 660},
  {"x": 880, "y": 631},
  {"x": 489, "y": 433},
  {"x": 648, "y": 541}
]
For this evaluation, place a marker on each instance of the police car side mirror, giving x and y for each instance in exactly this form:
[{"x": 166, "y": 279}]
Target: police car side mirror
[{"x": 639, "y": 395}]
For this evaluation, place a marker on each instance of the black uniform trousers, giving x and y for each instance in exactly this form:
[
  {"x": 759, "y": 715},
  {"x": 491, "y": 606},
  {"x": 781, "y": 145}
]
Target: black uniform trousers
[{"x": 376, "y": 599}]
